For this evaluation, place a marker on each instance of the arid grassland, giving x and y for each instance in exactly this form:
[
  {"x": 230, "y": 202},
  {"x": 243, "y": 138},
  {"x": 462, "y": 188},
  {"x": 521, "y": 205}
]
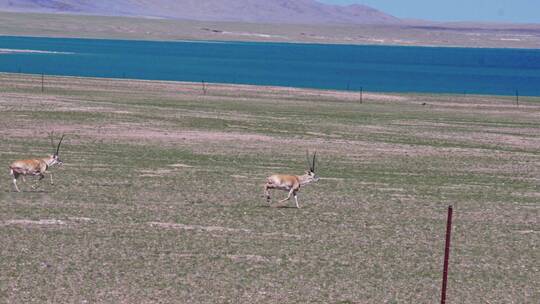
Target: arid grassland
[{"x": 160, "y": 197}]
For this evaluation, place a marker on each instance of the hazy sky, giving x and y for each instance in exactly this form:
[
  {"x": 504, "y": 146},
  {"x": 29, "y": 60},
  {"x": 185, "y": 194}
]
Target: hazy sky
[{"x": 522, "y": 11}]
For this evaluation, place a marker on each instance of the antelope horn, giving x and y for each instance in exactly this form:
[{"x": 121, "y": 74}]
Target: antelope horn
[
  {"x": 314, "y": 160},
  {"x": 59, "y": 143},
  {"x": 308, "y": 161}
]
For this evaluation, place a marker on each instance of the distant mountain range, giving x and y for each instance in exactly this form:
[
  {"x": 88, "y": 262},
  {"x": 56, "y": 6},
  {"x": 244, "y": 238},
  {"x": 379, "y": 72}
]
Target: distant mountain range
[{"x": 256, "y": 11}]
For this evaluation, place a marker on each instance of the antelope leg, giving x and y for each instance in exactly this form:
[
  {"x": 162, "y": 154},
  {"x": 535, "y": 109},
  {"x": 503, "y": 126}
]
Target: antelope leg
[
  {"x": 15, "y": 176},
  {"x": 287, "y": 198},
  {"x": 266, "y": 192},
  {"x": 15, "y": 184}
]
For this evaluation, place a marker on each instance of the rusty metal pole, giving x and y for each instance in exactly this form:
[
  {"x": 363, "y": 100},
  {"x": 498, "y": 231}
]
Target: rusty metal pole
[{"x": 446, "y": 254}]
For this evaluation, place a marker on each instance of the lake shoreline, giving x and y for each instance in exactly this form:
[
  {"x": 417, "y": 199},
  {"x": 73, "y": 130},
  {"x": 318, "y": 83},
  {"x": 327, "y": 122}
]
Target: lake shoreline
[{"x": 350, "y": 94}]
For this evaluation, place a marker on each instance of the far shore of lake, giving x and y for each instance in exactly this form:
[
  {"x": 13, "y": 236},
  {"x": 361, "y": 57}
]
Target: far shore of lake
[{"x": 472, "y": 35}]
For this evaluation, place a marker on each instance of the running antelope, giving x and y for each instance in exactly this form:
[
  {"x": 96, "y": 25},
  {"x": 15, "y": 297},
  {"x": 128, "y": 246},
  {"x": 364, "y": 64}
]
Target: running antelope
[
  {"x": 37, "y": 166},
  {"x": 291, "y": 183}
]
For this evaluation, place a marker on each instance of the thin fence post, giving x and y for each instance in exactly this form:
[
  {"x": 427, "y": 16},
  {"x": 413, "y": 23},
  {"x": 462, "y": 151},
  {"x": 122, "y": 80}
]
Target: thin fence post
[
  {"x": 204, "y": 87},
  {"x": 517, "y": 98},
  {"x": 446, "y": 255},
  {"x": 42, "y": 83},
  {"x": 361, "y": 93}
]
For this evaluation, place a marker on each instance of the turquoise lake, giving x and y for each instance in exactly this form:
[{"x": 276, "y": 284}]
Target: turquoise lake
[{"x": 341, "y": 67}]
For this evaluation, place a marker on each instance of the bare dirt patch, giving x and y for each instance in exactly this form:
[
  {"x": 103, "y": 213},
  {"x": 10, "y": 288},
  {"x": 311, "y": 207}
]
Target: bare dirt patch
[
  {"x": 180, "y": 166},
  {"x": 527, "y": 231},
  {"x": 248, "y": 258},
  {"x": 198, "y": 136},
  {"x": 198, "y": 227},
  {"x": 25, "y": 222},
  {"x": 218, "y": 229},
  {"x": 48, "y": 222},
  {"x": 156, "y": 172},
  {"x": 80, "y": 219}
]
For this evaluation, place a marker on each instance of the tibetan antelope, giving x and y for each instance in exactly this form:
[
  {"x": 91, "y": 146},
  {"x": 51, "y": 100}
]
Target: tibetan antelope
[
  {"x": 291, "y": 183},
  {"x": 37, "y": 166}
]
